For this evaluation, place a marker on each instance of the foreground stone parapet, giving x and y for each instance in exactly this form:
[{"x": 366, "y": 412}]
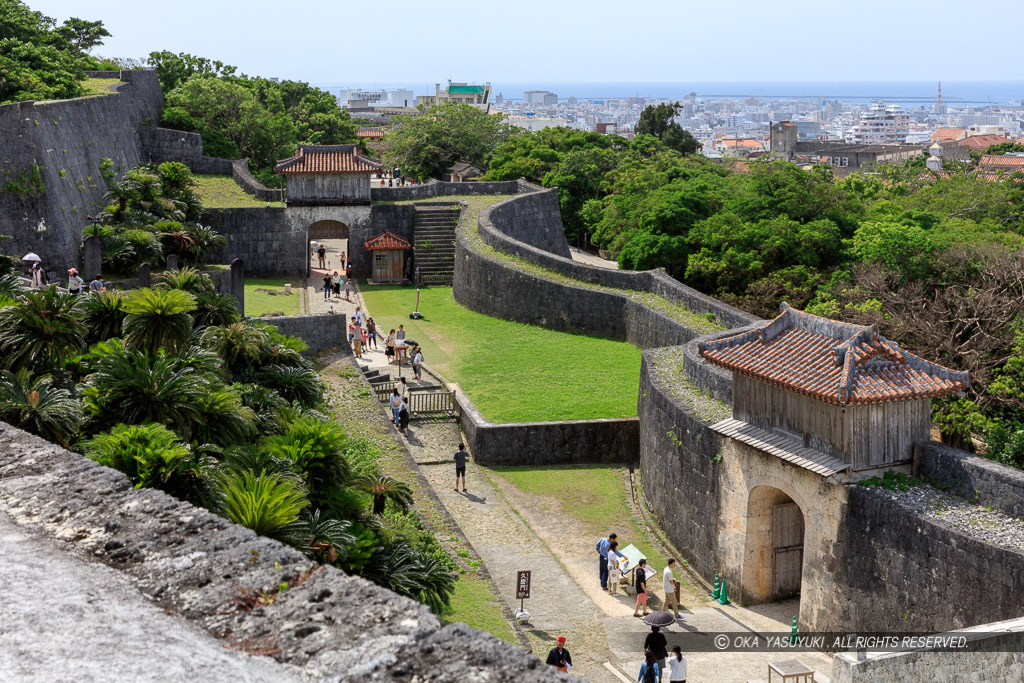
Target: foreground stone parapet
[{"x": 196, "y": 565}]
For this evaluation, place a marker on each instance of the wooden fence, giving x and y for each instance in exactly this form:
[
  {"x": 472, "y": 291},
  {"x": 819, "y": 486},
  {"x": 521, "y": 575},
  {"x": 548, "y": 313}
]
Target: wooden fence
[{"x": 420, "y": 402}]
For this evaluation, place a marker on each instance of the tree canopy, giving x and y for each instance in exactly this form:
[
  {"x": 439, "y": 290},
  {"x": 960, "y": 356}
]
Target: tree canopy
[
  {"x": 659, "y": 120},
  {"x": 240, "y": 116},
  {"x": 41, "y": 60},
  {"x": 426, "y": 145}
]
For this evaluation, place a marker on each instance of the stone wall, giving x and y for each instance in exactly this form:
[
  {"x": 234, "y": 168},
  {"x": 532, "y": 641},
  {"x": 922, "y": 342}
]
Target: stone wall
[
  {"x": 249, "y": 184},
  {"x": 164, "y": 144},
  {"x": 995, "y": 656},
  {"x": 497, "y": 228},
  {"x": 898, "y": 570},
  {"x": 320, "y": 332},
  {"x": 534, "y": 219},
  {"x": 192, "y": 564},
  {"x": 680, "y": 470},
  {"x": 970, "y": 476},
  {"x": 67, "y": 139},
  {"x": 272, "y": 241},
  {"x": 570, "y": 442},
  {"x": 436, "y": 188}
]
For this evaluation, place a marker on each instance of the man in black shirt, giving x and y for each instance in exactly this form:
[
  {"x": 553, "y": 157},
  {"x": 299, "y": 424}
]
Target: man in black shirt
[
  {"x": 460, "y": 467},
  {"x": 559, "y": 657}
]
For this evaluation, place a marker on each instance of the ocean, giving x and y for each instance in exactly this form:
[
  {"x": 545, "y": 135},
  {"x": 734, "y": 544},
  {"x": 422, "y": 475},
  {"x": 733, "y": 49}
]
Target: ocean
[{"x": 910, "y": 94}]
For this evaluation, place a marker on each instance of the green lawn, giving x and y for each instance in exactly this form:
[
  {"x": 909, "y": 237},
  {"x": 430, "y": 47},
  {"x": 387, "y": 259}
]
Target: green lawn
[
  {"x": 260, "y": 303},
  {"x": 222, "y": 192},
  {"x": 99, "y": 86},
  {"x": 474, "y": 605},
  {"x": 593, "y": 494},
  {"x": 513, "y": 372}
]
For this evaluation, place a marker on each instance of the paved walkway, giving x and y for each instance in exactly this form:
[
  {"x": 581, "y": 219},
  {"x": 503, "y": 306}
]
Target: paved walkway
[
  {"x": 63, "y": 618},
  {"x": 592, "y": 260}
]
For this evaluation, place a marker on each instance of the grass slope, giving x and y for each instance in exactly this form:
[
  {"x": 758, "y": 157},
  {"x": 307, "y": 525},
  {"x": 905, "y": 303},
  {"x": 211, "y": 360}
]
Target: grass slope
[
  {"x": 474, "y": 605},
  {"x": 222, "y": 192},
  {"x": 258, "y": 304},
  {"x": 513, "y": 372}
]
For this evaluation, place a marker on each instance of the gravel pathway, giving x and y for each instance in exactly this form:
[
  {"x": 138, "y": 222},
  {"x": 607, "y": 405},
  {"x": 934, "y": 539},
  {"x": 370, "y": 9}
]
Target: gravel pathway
[{"x": 977, "y": 521}]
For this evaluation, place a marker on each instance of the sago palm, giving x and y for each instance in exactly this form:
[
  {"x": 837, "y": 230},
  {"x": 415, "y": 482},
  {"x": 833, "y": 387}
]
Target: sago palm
[
  {"x": 293, "y": 383},
  {"x": 152, "y": 456},
  {"x": 321, "y": 537},
  {"x": 103, "y": 315},
  {"x": 411, "y": 572},
  {"x": 317, "y": 449},
  {"x": 38, "y": 407},
  {"x": 188, "y": 279},
  {"x": 41, "y": 331},
  {"x": 213, "y": 309},
  {"x": 239, "y": 345},
  {"x": 264, "y": 503},
  {"x": 383, "y": 489},
  {"x": 223, "y": 420},
  {"x": 158, "y": 318},
  {"x": 130, "y": 386}
]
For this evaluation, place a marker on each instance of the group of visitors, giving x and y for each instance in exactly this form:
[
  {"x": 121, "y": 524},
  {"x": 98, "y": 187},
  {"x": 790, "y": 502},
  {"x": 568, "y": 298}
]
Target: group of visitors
[
  {"x": 612, "y": 566},
  {"x": 361, "y": 334},
  {"x": 397, "y": 347},
  {"x": 400, "y": 405},
  {"x": 38, "y": 279},
  {"x": 395, "y": 179},
  {"x": 321, "y": 257},
  {"x": 656, "y": 658}
]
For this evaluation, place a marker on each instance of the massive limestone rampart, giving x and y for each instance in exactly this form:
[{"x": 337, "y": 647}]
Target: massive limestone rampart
[{"x": 65, "y": 141}]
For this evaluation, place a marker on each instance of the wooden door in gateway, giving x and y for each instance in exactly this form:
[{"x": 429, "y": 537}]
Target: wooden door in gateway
[{"x": 787, "y": 549}]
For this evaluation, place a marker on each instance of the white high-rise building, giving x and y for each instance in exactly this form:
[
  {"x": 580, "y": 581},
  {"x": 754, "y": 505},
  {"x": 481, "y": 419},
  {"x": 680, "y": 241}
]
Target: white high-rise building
[{"x": 880, "y": 125}]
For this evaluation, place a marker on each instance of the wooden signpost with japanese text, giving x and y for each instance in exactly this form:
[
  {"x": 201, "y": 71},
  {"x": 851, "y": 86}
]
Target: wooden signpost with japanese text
[{"x": 522, "y": 587}]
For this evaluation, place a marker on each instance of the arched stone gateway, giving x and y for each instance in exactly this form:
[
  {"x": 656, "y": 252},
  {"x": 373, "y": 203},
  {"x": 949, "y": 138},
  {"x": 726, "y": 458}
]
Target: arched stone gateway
[
  {"x": 332, "y": 234},
  {"x": 774, "y": 550}
]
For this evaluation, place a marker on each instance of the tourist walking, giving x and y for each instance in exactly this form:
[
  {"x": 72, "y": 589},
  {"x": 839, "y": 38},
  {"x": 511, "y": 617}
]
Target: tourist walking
[
  {"x": 357, "y": 339},
  {"x": 371, "y": 332},
  {"x": 327, "y": 286},
  {"x": 400, "y": 335},
  {"x": 559, "y": 657},
  {"x": 351, "y": 331},
  {"x": 602, "y": 552},
  {"x": 671, "y": 587},
  {"x": 640, "y": 578},
  {"x": 461, "y": 456},
  {"x": 348, "y": 290},
  {"x": 396, "y": 404},
  {"x": 389, "y": 346},
  {"x": 657, "y": 645},
  {"x": 348, "y": 271},
  {"x": 677, "y": 665},
  {"x": 403, "y": 416},
  {"x": 97, "y": 285},
  {"x": 358, "y": 316},
  {"x": 36, "y": 273},
  {"x": 321, "y": 255},
  {"x": 614, "y": 570},
  {"x": 650, "y": 672},
  {"x": 74, "y": 281},
  {"x": 417, "y": 364},
  {"x": 336, "y": 283}
]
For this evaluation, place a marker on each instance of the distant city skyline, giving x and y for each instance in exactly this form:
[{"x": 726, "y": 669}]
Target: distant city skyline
[{"x": 404, "y": 43}]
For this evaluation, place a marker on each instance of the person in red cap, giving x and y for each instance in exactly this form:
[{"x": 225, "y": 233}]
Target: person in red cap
[{"x": 559, "y": 657}]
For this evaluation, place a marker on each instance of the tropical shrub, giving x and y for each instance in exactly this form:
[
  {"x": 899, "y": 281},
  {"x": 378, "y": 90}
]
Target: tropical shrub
[
  {"x": 265, "y": 503},
  {"x": 43, "y": 331},
  {"x": 36, "y": 406},
  {"x": 158, "y": 318}
]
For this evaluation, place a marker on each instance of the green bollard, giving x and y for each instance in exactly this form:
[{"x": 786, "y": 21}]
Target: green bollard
[
  {"x": 792, "y": 633},
  {"x": 717, "y": 591},
  {"x": 723, "y": 599}
]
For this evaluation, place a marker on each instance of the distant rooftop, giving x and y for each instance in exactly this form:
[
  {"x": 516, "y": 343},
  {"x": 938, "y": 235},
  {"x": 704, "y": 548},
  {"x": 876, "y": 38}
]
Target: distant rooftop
[
  {"x": 328, "y": 159},
  {"x": 465, "y": 89}
]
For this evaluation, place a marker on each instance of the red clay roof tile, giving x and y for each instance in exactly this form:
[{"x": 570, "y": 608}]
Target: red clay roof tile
[
  {"x": 831, "y": 361},
  {"x": 386, "y": 241},
  {"x": 328, "y": 159}
]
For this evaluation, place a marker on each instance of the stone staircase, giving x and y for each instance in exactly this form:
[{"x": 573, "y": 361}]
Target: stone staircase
[{"x": 434, "y": 243}]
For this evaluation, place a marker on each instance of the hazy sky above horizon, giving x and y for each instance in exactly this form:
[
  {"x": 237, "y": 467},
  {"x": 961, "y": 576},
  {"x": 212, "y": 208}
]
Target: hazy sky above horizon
[{"x": 548, "y": 41}]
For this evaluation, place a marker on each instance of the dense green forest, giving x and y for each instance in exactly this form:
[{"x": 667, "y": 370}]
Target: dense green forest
[
  {"x": 41, "y": 60},
  {"x": 242, "y": 116},
  {"x": 936, "y": 260}
]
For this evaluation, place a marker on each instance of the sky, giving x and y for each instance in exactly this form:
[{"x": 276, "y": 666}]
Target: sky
[{"x": 399, "y": 42}]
